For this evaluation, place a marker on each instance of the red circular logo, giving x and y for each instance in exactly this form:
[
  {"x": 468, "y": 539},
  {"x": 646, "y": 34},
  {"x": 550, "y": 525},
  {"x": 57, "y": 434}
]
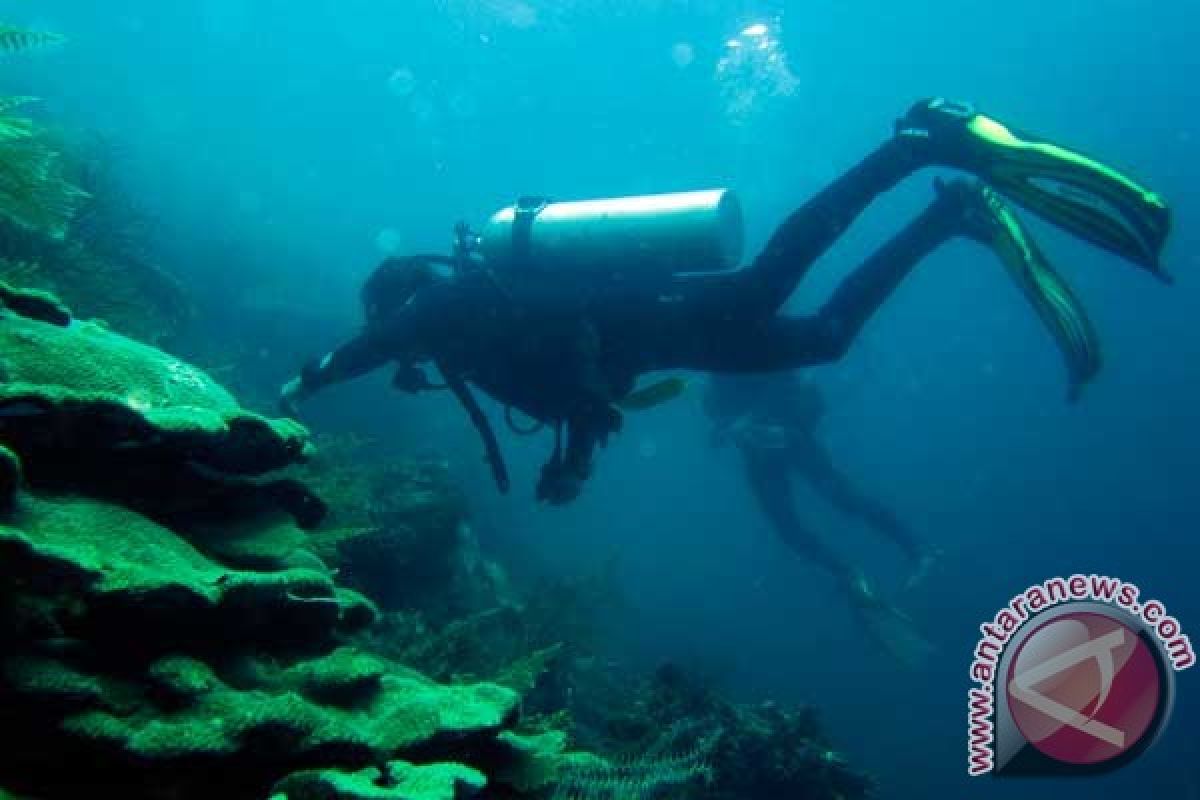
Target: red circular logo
[{"x": 1084, "y": 688}]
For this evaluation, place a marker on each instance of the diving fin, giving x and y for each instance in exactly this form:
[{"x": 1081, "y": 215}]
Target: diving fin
[
  {"x": 653, "y": 395},
  {"x": 1080, "y": 194},
  {"x": 993, "y": 223},
  {"x": 889, "y": 627},
  {"x": 894, "y": 632}
]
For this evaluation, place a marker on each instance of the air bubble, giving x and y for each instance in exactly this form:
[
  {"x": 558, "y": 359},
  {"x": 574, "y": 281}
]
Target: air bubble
[
  {"x": 403, "y": 82},
  {"x": 683, "y": 54},
  {"x": 388, "y": 241}
]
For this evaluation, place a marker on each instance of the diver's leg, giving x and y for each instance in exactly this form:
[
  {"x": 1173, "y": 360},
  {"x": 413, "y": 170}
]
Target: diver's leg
[
  {"x": 762, "y": 288},
  {"x": 768, "y": 474},
  {"x": 1083, "y": 195},
  {"x": 734, "y": 344},
  {"x": 812, "y": 460}
]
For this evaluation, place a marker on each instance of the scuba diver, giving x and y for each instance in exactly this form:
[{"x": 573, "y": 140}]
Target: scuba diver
[
  {"x": 513, "y": 315},
  {"x": 772, "y": 419}
]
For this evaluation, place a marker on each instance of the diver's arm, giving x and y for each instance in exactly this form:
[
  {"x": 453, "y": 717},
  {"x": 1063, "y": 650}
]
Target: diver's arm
[
  {"x": 362, "y": 354},
  {"x": 398, "y": 337},
  {"x": 390, "y": 340}
]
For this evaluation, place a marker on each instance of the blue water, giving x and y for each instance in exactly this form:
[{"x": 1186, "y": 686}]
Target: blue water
[{"x": 280, "y": 144}]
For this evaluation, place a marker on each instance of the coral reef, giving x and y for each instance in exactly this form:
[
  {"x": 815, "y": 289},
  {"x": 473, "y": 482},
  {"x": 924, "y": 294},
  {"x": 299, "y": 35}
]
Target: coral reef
[
  {"x": 102, "y": 265},
  {"x": 397, "y": 780},
  {"x": 34, "y": 192},
  {"x": 398, "y": 531},
  {"x": 749, "y": 752},
  {"x": 79, "y": 236},
  {"x": 161, "y": 659},
  {"x": 173, "y": 628}
]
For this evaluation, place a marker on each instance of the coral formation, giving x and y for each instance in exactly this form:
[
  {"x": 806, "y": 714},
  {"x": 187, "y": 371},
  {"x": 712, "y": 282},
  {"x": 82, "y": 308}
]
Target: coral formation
[
  {"x": 78, "y": 236},
  {"x": 749, "y": 752},
  {"x": 33, "y": 190},
  {"x": 141, "y": 651},
  {"x": 34, "y": 193},
  {"x": 397, "y": 780},
  {"x": 398, "y": 531}
]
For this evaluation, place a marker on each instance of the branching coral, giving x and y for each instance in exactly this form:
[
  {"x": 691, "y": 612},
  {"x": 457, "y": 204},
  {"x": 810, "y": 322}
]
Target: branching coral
[
  {"x": 33, "y": 191},
  {"x": 13, "y": 39},
  {"x": 658, "y": 772},
  {"x": 102, "y": 268}
]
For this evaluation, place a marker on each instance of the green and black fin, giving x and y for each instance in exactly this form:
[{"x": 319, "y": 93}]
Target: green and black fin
[
  {"x": 1080, "y": 194},
  {"x": 1051, "y": 297},
  {"x": 653, "y": 395}
]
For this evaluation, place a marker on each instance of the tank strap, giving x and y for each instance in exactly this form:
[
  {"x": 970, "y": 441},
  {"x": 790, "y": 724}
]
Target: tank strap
[{"x": 525, "y": 211}]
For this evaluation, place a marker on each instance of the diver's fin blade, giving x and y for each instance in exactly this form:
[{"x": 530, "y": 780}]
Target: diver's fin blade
[
  {"x": 896, "y": 635},
  {"x": 1057, "y": 306},
  {"x": 1091, "y": 218},
  {"x": 1080, "y": 194},
  {"x": 655, "y": 394}
]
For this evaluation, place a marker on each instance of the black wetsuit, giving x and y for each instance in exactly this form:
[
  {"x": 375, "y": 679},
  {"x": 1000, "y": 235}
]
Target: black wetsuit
[
  {"x": 567, "y": 360},
  {"x": 785, "y": 410}
]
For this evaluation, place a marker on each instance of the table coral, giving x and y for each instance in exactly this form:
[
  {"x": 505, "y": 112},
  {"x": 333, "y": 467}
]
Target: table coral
[{"x": 168, "y": 631}]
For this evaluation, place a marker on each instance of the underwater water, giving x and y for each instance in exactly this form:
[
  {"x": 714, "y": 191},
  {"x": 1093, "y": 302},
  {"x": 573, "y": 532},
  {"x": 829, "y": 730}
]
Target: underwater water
[{"x": 276, "y": 151}]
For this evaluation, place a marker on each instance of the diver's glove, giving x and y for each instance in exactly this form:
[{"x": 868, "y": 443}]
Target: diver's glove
[
  {"x": 296, "y": 391},
  {"x": 558, "y": 483},
  {"x": 291, "y": 394}
]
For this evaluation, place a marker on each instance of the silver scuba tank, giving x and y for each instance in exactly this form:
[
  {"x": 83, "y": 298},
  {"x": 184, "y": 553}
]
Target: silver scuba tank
[{"x": 660, "y": 234}]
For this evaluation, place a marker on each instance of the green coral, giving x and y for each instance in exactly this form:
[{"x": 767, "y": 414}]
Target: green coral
[
  {"x": 106, "y": 272},
  {"x": 397, "y": 531},
  {"x": 657, "y": 772},
  {"x": 109, "y": 561},
  {"x": 13, "y": 38},
  {"x": 89, "y": 359},
  {"x": 178, "y": 679},
  {"x": 398, "y": 781},
  {"x": 127, "y": 294},
  {"x": 88, "y": 384},
  {"x": 55, "y": 685},
  {"x": 34, "y": 304},
  {"x": 33, "y": 190},
  {"x": 10, "y": 476},
  {"x": 406, "y": 711},
  {"x": 173, "y": 638},
  {"x": 346, "y": 677},
  {"x": 535, "y": 763}
]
